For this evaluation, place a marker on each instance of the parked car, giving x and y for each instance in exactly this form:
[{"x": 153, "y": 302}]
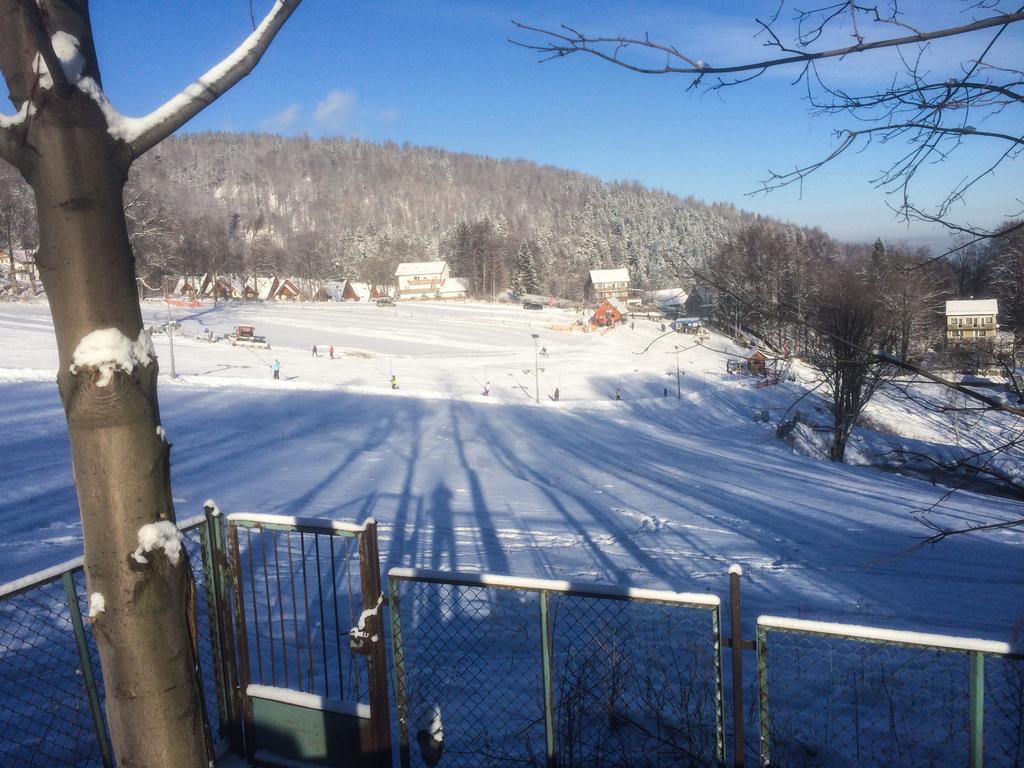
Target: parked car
[{"x": 385, "y": 302}]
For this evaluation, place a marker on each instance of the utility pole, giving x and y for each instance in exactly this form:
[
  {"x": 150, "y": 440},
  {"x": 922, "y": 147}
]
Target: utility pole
[{"x": 536, "y": 372}]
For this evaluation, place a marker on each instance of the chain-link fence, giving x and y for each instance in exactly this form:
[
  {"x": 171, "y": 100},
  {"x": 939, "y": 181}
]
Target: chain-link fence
[
  {"x": 499, "y": 671},
  {"x": 51, "y": 688},
  {"x": 833, "y": 696}
]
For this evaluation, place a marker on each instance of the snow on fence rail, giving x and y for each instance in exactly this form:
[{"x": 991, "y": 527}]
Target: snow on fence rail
[
  {"x": 847, "y": 695},
  {"x": 51, "y": 703},
  {"x": 494, "y": 670}
]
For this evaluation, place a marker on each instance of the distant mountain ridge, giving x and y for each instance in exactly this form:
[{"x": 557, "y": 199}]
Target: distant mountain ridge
[{"x": 355, "y": 208}]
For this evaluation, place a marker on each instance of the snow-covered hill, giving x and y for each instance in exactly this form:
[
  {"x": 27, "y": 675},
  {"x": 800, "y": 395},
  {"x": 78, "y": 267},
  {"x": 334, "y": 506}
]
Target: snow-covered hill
[{"x": 649, "y": 490}]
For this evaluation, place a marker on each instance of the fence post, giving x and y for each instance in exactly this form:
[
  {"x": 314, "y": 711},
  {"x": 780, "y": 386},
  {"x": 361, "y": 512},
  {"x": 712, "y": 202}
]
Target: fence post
[
  {"x": 739, "y": 758},
  {"x": 377, "y": 677},
  {"x": 549, "y": 698},
  {"x": 218, "y": 604},
  {"x": 87, "y": 674},
  {"x": 398, "y": 656},
  {"x": 243, "y": 703},
  {"x": 762, "y": 687},
  {"x": 977, "y": 702}
]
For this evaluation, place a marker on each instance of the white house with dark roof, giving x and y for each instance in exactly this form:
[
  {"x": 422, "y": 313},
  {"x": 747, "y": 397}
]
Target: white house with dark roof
[{"x": 971, "y": 319}]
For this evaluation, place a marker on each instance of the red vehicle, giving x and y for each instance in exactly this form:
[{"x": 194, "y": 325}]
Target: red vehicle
[{"x": 245, "y": 335}]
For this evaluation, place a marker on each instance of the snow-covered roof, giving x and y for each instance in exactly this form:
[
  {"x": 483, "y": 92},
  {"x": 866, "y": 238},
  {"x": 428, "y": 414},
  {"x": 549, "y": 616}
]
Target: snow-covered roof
[
  {"x": 620, "y": 275},
  {"x": 972, "y": 307},
  {"x": 420, "y": 268},
  {"x": 452, "y": 285},
  {"x": 668, "y": 297},
  {"x": 264, "y": 287},
  {"x": 618, "y": 304},
  {"x": 751, "y": 352},
  {"x": 189, "y": 282},
  {"x": 362, "y": 290}
]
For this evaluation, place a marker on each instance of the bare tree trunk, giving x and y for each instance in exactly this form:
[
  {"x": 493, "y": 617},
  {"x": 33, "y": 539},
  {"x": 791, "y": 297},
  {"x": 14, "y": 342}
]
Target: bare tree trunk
[
  {"x": 77, "y": 167},
  {"x": 121, "y": 463}
]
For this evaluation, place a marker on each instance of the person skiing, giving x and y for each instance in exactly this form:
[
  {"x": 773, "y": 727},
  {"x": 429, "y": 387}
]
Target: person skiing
[
  {"x": 277, "y": 368},
  {"x": 487, "y": 389},
  {"x": 314, "y": 351},
  {"x": 331, "y": 351},
  {"x": 556, "y": 394},
  {"x": 618, "y": 396},
  {"x": 394, "y": 381}
]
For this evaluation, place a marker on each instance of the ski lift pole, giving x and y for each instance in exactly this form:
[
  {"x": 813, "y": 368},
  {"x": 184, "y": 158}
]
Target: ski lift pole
[
  {"x": 679, "y": 391},
  {"x": 536, "y": 365}
]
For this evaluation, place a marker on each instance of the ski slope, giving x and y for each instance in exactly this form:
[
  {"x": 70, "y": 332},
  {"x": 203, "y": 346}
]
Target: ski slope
[{"x": 647, "y": 491}]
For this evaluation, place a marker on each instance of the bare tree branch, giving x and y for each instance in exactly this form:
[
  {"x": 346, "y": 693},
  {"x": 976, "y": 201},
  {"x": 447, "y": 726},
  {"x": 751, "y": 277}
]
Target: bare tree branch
[
  {"x": 562, "y": 44},
  {"x": 991, "y": 402},
  {"x": 167, "y": 118},
  {"x": 932, "y": 115}
]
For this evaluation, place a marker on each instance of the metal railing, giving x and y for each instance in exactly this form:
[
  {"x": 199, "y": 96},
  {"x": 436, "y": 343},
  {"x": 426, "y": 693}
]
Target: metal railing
[
  {"x": 51, "y": 687},
  {"x": 845, "y": 695},
  {"x": 493, "y": 670}
]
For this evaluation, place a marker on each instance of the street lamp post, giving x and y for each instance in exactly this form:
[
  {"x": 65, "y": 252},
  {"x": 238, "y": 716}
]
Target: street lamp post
[
  {"x": 170, "y": 337},
  {"x": 169, "y": 326},
  {"x": 536, "y": 372}
]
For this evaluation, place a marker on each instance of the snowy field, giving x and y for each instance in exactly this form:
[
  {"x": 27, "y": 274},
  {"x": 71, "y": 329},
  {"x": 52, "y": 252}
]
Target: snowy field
[{"x": 648, "y": 491}]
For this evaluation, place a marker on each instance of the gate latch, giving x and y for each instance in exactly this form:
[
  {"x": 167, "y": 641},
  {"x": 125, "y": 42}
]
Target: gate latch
[{"x": 361, "y": 637}]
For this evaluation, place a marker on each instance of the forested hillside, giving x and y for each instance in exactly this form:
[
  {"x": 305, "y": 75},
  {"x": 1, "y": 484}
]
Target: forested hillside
[{"x": 347, "y": 208}]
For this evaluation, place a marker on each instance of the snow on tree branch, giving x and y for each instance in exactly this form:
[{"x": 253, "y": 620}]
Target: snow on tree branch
[{"x": 144, "y": 133}]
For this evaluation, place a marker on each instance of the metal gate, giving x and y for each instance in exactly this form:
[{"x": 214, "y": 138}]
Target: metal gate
[{"x": 312, "y": 665}]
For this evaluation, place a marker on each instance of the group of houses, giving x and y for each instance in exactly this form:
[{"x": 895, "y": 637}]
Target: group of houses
[
  {"x": 222, "y": 287},
  {"x": 18, "y": 273},
  {"x": 413, "y": 280},
  {"x": 607, "y": 289}
]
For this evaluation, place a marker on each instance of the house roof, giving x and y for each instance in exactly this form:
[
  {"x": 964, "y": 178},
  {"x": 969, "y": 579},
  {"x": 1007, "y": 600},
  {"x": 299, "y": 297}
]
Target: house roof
[
  {"x": 620, "y": 275},
  {"x": 452, "y": 285},
  {"x": 265, "y": 287},
  {"x": 668, "y": 297},
  {"x": 752, "y": 352},
  {"x": 973, "y": 307},
  {"x": 420, "y": 268},
  {"x": 616, "y": 304},
  {"x": 362, "y": 290}
]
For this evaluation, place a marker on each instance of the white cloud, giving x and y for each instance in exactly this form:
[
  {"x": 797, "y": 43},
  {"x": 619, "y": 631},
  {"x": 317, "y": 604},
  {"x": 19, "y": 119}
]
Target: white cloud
[
  {"x": 283, "y": 120},
  {"x": 335, "y": 109},
  {"x": 387, "y": 115}
]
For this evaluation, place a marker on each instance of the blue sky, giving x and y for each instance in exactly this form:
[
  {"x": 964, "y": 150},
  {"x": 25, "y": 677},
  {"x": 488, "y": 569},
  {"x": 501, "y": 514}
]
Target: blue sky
[{"x": 443, "y": 74}]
